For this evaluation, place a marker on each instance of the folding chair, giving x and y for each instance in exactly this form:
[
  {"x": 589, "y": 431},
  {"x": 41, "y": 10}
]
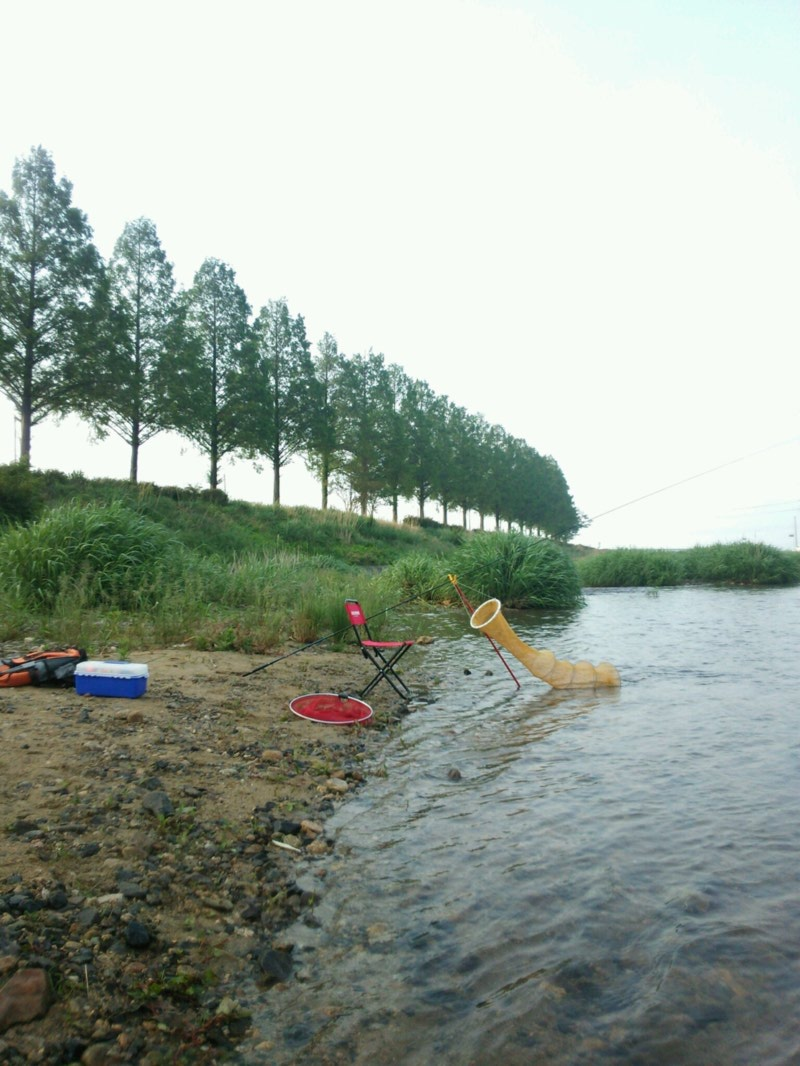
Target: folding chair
[{"x": 383, "y": 654}]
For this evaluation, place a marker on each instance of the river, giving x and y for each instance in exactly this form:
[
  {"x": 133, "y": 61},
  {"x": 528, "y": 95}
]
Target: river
[{"x": 533, "y": 876}]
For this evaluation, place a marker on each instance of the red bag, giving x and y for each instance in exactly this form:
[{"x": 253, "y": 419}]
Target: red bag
[{"x": 41, "y": 667}]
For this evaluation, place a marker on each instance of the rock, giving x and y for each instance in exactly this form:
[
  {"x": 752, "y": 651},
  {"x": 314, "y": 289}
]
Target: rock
[
  {"x": 335, "y": 784},
  {"x": 275, "y": 965},
  {"x": 136, "y": 934},
  {"x": 100, "y": 1055},
  {"x": 132, "y": 890},
  {"x": 158, "y": 803},
  {"x": 228, "y": 1007},
  {"x": 317, "y": 847},
  {"x": 25, "y": 996}
]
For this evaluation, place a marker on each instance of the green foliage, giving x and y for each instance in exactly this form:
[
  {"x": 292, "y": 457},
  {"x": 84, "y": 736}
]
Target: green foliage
[
  {"x": 632, "y": 567},
  {"x": 101, "y": 554},
  {"x": 209, "y": 388},
  {"x": 417, "y": 575},
  {"x": 740, "y": 563},
  {"x": 280, "y": 390},
  {"x": 49, "y": 272},
  {"x": 21, "y": 497},
  {"x": 520, "y": 571},
  {"x": 128, "y": 389},
  {"x": 238, "y": 528}
]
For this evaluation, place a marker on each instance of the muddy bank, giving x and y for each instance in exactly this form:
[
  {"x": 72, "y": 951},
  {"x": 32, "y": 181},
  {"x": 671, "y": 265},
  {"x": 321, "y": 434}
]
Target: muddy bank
[{"x": 149, "y": 849}]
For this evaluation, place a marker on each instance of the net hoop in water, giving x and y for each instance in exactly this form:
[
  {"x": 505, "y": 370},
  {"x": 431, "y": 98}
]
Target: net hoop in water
[{"x": 330, "y": 708}]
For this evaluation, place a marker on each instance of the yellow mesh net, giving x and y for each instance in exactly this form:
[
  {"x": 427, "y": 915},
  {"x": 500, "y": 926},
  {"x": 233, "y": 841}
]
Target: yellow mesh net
[{"x": 558, "y": 673}]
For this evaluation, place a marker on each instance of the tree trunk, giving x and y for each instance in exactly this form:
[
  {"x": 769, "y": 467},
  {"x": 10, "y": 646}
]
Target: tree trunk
[{"x": 134, "y": 474}]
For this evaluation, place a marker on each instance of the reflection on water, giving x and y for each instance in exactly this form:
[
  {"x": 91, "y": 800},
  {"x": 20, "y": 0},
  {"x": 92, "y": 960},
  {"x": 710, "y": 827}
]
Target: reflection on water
[{"x": 565, "y": 877}]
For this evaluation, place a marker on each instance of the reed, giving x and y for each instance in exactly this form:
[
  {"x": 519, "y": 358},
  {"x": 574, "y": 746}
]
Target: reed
[
  {"x": 416, "y": 576},
  {"x": 519, "y": 571},
  {"x": 744, "y": 563},
  {"x": 632, "y": 567}
]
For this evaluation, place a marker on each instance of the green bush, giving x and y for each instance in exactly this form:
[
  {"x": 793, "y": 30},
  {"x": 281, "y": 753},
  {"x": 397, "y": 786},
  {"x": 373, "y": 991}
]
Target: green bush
[
  {"x": 21, "y": 496},
  {"x": 519, "y": 571},
  {"x": 110, "y": 555},
  {"x": 417, "y": 575},
  {"x": 632, "y": 568},
  {"x": 740, "y": 563}
]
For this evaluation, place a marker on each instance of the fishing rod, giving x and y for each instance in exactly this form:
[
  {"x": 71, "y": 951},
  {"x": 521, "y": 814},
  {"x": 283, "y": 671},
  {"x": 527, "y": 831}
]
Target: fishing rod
[
  {"x": 345, "y": 629},
  {"x": 693, "y": 477}
]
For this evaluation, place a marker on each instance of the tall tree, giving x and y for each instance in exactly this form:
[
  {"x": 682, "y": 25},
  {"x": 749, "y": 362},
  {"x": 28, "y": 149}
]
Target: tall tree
[
  {"x": 424, "y": 414},
  {"x": 393, "y": 462},
  {"x": 49, "y": 273},
  {"x": 458, "y": 466},
  {"x": 283, "y": 390},
  {"x": 208, "y": 390},
  {"x": 129, "y": 397},
  {"x": 323, "y": 454},
  {"x": 364, "y": 397}
]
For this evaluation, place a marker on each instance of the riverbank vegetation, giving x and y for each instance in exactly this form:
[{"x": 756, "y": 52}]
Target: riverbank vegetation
[
  {"x": 112, "y": 566},
  {"x": 739, "y": 563}
]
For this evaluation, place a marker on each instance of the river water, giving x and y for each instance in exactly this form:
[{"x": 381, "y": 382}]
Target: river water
[{"x": 534, "y": 876}]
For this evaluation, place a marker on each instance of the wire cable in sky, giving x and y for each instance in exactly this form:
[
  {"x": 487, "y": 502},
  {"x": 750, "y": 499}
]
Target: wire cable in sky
[{"x": 693, "y": 477}]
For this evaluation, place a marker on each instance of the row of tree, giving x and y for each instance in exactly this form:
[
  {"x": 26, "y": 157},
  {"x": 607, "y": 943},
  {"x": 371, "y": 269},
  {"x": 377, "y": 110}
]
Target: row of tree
[{"x": 119, "y": 344}]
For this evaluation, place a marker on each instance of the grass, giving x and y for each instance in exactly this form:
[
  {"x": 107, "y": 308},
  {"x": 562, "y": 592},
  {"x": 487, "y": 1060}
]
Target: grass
[
  {"x": 743, "y": 563},
  {"x": 113, "y": 567},
  {"x": 520, "y": 571}
]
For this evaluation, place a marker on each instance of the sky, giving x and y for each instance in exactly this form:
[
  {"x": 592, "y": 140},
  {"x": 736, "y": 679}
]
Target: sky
[{"x": 580, "y": 220}]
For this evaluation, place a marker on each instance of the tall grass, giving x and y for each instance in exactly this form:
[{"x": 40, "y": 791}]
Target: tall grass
[
  {"x": 97, "y": 554},
  {"x": 418, "y": 576},
  {"x": 107, "y": 577},
  {"x": 520, "y": 571},
  {"x": 740, "y": 563},
  {"x": 639, "y": 567}
]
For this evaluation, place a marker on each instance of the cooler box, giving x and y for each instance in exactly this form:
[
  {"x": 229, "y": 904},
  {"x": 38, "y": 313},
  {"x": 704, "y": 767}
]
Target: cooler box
[{"x": 111, "y": 678}]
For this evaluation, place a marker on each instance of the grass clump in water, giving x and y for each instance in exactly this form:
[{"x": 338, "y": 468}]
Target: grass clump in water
[
  {"x": 520, "y": 571},
  {"x": 632, "y": 568}
]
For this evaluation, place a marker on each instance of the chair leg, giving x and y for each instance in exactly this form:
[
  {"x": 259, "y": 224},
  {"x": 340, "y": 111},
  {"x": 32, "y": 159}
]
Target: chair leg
[{"x": 385, "y": 668}]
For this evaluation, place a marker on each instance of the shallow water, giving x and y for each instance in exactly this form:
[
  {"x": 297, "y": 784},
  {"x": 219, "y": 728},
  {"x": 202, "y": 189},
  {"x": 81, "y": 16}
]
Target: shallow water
[{"x": 613, "y": 877}]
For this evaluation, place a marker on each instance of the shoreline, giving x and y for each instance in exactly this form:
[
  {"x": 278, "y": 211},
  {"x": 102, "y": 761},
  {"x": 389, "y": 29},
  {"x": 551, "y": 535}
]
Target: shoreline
[{"x": 149, "y": 849}]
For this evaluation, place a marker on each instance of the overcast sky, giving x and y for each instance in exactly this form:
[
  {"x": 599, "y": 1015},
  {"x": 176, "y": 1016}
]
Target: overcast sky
[{"x": 579, "y": 219}]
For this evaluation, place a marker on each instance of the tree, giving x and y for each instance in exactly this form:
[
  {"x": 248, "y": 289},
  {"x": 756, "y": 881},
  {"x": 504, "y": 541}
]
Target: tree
[
  {"x": 283, "y": 392},
  {"x": 459, "y": 466},
  {"x": 394, "y": 447},
  {"x": 488, "y": 488},
  {"x": 423, "y": 412},
  {"x": 323, "y": 455},
  {"x": 130, "y": 396},
  {"x": 209, "y": 386},
  {"x": 364, "y": 398},
  {"x": 49, "y": 273},
  {"x": 560, "y": 518}
]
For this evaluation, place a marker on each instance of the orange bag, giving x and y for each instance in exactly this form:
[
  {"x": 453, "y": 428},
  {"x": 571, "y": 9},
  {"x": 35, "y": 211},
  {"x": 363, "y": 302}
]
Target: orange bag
[{"x": 41, "y": 667}]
